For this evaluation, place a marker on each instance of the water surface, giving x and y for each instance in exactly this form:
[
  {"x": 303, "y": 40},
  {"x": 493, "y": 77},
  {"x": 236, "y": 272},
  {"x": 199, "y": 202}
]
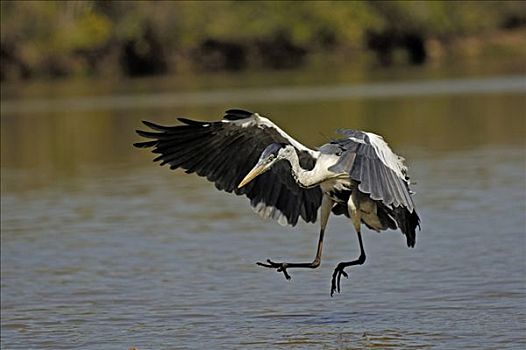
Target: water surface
[{"x": 100, "y": 248}]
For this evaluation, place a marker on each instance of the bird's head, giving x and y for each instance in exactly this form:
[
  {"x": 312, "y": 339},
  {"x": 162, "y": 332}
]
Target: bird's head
[{"x": 270, "y": 155}]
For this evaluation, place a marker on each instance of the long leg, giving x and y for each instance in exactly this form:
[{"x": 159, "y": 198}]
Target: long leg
[
  {"x": 354, "y": 212},
  {"x": 326, "y": 206}
]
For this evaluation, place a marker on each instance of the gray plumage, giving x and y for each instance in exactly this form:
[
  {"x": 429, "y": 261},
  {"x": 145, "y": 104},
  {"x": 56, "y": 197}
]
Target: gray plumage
[{"x": 383, "y": 178}]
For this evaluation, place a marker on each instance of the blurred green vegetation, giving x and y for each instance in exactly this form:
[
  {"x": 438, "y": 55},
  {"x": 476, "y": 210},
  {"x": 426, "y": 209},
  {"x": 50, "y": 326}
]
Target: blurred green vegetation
[{"x": 42, "y": 39}]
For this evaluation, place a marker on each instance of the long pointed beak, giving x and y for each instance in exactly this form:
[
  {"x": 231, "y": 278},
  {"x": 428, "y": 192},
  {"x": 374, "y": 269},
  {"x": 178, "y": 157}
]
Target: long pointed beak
[{"x": 256, "y": 171}]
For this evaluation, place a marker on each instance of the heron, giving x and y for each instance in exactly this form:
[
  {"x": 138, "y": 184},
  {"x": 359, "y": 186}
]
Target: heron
[{"x": 357, "y": 175}]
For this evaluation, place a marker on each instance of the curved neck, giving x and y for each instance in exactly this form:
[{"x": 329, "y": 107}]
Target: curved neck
[{"x": 304, "y": 178}]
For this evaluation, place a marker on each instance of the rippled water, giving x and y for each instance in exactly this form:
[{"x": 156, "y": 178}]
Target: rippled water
[{"x": 102, "y": 249}]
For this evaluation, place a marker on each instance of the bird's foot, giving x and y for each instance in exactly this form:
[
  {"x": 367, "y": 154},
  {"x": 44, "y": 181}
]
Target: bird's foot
[
  {"x": 280, "y": 267},
  {"x": 336, "y": 276}
]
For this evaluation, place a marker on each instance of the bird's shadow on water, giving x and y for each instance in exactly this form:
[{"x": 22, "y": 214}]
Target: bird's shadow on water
[
  {"x": 307, "y": 319},
  {"x": 328, "y": 317},
  {"x": 344, "y": 330}
]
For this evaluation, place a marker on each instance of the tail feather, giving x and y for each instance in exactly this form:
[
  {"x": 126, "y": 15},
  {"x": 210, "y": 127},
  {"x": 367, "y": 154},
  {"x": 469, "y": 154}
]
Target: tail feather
[{"x": 398, "y": 217}]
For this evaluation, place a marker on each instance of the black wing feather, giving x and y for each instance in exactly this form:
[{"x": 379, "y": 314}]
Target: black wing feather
[{"x": 225, "y": 151}]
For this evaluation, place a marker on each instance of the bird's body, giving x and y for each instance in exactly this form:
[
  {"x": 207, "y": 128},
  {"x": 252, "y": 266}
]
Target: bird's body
[{"x": 357, "y": 176}]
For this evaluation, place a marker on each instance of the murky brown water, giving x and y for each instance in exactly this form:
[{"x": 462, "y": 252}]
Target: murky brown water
[{"x": 102, "y": 249}]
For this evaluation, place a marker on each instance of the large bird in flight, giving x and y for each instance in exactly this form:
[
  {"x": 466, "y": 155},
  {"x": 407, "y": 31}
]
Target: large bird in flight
[{"x": 357, "y": 175}]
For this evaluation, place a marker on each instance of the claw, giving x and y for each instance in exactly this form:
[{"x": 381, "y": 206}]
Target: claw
[
  {"x": 269, "y": 265},
  {"x": 285, "y": 273},
  {"x": 336, "y": 278},
  {"x": 280, "y": 267}
]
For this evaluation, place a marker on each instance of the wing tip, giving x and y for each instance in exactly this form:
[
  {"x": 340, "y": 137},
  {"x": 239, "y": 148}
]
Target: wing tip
[
  {"x": 148, "y": 134},
  {"x": 151, "y": 124},
  {"x": 145, "y": 144},
  {"x": 413, "y": 221},
  {"x": 237, "y": 114},
  {"x": 190, "y": 122}
]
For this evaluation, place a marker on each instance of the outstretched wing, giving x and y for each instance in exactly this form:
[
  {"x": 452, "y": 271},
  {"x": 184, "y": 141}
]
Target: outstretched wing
[
  {"x": 380, "y": 173},
  {"x": 225, "y": 151}
]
